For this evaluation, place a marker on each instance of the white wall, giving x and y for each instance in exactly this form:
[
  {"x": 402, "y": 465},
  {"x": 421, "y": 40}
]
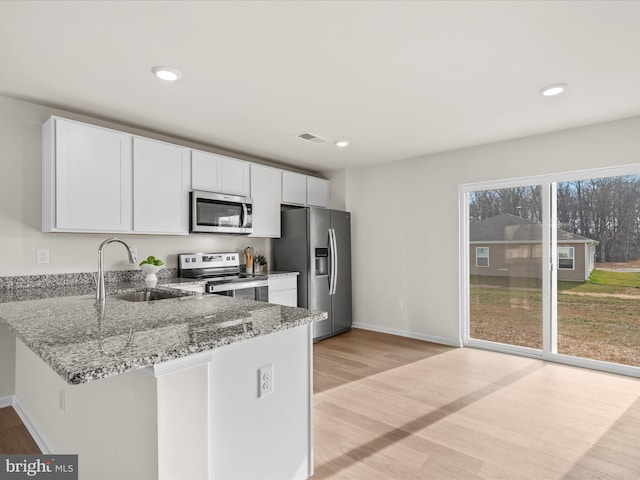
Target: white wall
[
  {"x": 337, "y": 189},
  {"x": 20, "y": 207},
  {"x": 405, "y": 220}
]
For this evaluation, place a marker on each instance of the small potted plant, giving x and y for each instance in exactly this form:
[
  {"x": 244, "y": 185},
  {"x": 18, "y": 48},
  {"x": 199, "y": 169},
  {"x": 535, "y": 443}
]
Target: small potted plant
[
  {"x": 151, "y": 266},
  {"x": 261, "y": 262}
]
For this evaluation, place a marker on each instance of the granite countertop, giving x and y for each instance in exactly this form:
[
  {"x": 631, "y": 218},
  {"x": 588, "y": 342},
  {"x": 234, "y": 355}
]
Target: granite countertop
[{"x": 83, "y": 342}]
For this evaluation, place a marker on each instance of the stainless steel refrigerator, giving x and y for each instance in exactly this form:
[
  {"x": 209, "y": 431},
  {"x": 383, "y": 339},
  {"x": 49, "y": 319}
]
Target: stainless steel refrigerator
[{"x": 317, "y": 243}]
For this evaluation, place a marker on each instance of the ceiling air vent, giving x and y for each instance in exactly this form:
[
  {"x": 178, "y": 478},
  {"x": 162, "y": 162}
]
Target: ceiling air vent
[{"x": 310, "y": 137}]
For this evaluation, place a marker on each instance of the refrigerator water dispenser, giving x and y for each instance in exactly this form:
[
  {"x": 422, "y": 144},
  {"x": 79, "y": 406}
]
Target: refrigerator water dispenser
[{"x": 322, "y": 264}]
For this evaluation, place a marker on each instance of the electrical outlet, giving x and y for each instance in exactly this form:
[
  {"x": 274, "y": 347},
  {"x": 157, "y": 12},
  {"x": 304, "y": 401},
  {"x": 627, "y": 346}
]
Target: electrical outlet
[
  {"x": 400, "y": 304},
  {"x": 42, "y": 256},
  {"x": 265, "y": 380}
]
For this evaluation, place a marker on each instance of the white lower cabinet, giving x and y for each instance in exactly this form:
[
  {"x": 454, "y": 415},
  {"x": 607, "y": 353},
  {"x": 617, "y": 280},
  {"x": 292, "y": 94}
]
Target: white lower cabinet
[
  {"x": 161, "y": 180},
  {"x": 283, "y": 290}
]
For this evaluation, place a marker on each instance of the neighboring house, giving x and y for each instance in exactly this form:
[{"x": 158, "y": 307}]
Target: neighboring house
[{"x": 506, "y": 245}]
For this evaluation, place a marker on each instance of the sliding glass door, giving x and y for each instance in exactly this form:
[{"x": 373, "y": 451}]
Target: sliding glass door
[
  {"x": 505, "y": 269},
  {"x": 551, "y": 268},
  {"x": 598, "y": 275}
]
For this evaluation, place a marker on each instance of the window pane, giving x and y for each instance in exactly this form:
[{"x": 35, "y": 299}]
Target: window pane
[
  {"x": 599, "y": 275},
  {"x": 565, "y": 257},
  {"x": 506, "y": 292},
  {"x": 482, "y": 256}
]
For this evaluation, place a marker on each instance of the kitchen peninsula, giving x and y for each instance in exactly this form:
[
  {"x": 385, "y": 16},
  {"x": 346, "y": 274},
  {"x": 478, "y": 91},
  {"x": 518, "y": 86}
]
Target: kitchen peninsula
[{"x": 169, "y": 388}]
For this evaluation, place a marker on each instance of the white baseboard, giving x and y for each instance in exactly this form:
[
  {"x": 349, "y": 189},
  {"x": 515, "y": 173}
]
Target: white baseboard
[
  {"x": 42, "y": 443},
  {"x": 6, "y": 401},
  {"x": 402, "y": 333}
]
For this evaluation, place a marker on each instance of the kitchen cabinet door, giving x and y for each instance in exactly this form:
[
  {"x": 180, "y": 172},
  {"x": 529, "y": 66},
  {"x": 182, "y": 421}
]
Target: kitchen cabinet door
[
  {"x": 86, "y": 178},
  {"x": 216, "y": 173},
  {"x": 294, "y": 188},
  {"x": 235, "y": 177},
  {"x": 317, "y": 192},
  {"x": 284, "y": 290},
  {"x": 206, "y": 171},
  {"x": 266, "y": 192},
  {"x": 161, "y": 178}
]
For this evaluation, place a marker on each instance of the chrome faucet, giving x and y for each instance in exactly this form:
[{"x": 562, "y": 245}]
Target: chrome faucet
[{"x": 100, "y": 297}]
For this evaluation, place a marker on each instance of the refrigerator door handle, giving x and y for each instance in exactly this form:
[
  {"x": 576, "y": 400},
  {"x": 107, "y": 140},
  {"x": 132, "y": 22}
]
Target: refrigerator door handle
[
  {"x": 334, "y": 262},
  {"x": 331, "y": 257}
]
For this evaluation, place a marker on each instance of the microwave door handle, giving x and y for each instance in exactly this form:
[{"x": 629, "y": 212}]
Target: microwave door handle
[{"x": 245, "y": 215}]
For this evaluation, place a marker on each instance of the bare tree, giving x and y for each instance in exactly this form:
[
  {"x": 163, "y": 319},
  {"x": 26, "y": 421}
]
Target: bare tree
[{"x": 605, "y": 209}]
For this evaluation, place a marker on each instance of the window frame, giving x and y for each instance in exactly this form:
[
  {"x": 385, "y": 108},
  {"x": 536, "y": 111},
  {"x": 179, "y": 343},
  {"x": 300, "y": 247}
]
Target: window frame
[{"x": 549, "y": 238}]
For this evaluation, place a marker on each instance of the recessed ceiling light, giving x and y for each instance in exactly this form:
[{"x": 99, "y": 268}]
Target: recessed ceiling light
[
  {"x": 169, "y": 74},
  {"x": 554, "y": 89},
  {"x": 342, "y": 143}
]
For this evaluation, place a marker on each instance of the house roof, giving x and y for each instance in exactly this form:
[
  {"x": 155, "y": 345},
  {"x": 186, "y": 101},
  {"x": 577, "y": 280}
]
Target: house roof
[{"x": 509, "y": 228}]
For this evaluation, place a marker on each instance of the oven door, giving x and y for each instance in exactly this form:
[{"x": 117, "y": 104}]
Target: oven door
[{"x": 219, "y": 213}]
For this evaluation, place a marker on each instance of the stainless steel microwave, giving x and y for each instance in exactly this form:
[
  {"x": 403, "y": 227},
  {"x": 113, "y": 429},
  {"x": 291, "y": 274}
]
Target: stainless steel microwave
[{"x": 220, "y": 213}]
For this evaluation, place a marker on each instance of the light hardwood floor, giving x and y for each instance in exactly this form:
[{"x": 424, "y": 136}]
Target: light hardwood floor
[{"x": 388, "y": 407}]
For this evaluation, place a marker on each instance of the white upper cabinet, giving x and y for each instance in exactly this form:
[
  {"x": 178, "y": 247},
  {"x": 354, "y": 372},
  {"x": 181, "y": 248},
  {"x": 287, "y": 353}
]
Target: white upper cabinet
[
  {"x": 216, "y": 173},
  {"x": 294, "y": 188},
  {"x": 205, "y": 171},
  {"x": 86, "y": 178},
  {"x": 317, "y": 192},
  {"x": 96, "y": 179},
  {"x": 266, "y": 192},
  {"x": 236, "y": 177},
  {"x": 161, "y": 178},
  {"x": 299, "y": 189}
]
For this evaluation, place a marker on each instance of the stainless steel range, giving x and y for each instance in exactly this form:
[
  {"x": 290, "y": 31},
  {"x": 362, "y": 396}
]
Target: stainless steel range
[{"x": 223, "y": 275}]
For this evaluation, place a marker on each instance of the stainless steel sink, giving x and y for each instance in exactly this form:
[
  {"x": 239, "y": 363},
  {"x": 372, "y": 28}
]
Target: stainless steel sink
[{"x": 146, "y": 296}]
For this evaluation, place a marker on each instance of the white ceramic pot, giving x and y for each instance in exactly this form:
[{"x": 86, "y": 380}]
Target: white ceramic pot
[{"x": 151, "y": 271}]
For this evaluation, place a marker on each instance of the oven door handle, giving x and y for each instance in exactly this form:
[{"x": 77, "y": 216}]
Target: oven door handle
[{"x": 225, "y": 287}]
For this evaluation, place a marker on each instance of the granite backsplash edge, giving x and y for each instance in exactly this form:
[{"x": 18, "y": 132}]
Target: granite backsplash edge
[{"x": 72, "y": 279}]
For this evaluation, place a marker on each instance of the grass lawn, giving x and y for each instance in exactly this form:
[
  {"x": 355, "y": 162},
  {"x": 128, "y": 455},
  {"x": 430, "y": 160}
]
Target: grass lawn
[
  {"x": 593, "y": 323},
  {"x": 610, "y": 278}
]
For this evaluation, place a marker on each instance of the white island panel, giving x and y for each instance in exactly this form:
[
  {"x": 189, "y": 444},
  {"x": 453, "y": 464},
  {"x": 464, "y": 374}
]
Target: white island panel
[
  {"x": 111, "y": 424},
  {"x": 270, "y": 436}
]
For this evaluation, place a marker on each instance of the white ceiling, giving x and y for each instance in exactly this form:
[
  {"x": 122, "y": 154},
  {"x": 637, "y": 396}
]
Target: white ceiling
[{"x": 396, "y": 79}]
